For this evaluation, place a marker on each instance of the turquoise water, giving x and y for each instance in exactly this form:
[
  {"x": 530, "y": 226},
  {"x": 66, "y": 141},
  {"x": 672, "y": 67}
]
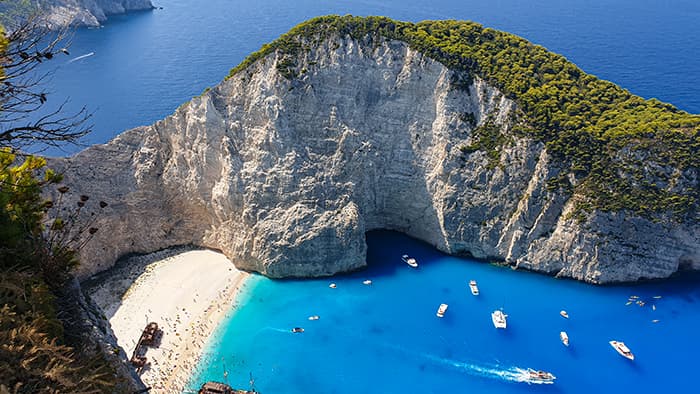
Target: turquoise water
[
  {"x": 386, "y": 338},
  {"x": 146, "y": 64}
]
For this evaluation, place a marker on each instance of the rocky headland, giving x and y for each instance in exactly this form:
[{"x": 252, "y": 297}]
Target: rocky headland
[
  {"x": 346, "y": 125},
  {"x": 92, "y": 13}
]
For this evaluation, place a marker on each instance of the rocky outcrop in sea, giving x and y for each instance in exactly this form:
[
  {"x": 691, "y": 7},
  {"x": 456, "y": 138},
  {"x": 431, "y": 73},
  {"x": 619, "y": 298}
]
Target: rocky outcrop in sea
[
  {"x": 91, "y": 13},
  {"x": 285, "y": 175}
]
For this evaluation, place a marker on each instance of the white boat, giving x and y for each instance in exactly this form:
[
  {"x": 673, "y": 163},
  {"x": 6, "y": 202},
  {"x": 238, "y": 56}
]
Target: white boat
[
  {"x": 367, "y": 282},
  {"x": 473, "y": 287},
  {"x": 499, "y": 319},
  {"x": 621, "y": 348},
  {"x": 314, "y": 317},
  {"x": 410, "y": 261},
  {"x": 441, "y": 310},
  {"x": 297, "y": 330},
  {"x": 564, "y": 314},
  {"x": 540, "y": 376},
  {"x": 332, "y": 286},
  {"x": 564, "y": 338}
]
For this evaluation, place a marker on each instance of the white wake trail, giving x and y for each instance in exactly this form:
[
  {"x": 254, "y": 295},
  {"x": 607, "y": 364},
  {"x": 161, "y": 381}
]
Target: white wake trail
[
  {"x": 81, "y": 57},
  {"x": 511, "y": 374}
]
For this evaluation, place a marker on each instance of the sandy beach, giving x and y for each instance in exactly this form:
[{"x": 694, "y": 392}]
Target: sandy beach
[{"x": 187, "y": 294}]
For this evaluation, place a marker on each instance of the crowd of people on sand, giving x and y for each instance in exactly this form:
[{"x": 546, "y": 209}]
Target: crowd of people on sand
[{"x": 183, "y": 340}]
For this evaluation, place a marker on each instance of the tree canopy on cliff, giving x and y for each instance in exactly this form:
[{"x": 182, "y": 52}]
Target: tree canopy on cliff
[
  {"x": 617, "y": 145},
  {"x": 25, "y": 120}
]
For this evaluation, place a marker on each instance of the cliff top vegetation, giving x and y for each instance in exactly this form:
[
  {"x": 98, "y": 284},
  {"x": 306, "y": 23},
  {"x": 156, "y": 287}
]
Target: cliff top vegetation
[{"x": 625, "y": 152}]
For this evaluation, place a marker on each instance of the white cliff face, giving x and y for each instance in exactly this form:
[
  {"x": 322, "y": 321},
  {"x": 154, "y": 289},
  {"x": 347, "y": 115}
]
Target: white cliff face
[
  {"x": 286, "y": 176},
  {"x": 61, "y": 13}
]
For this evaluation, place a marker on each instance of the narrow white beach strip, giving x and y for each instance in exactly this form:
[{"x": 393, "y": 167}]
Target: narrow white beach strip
[{"x": 188, "y": 295}]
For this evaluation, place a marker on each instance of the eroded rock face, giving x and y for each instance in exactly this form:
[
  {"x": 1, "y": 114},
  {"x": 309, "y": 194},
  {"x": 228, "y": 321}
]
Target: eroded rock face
[
  {"x": 61, "y": 13},
  {"x": 285, "y": 176}
]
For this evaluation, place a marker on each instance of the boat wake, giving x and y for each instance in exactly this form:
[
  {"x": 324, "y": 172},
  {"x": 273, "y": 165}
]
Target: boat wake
[
  {"x": 482, "y": 370},
  {"x": 512, "y": 374},
  {"x": 81, "y": 57}
]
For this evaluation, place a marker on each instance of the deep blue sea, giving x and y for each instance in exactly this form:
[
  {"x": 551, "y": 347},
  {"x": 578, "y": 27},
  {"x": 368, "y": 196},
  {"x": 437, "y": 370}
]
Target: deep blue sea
[{"x": 385, "y": 338}]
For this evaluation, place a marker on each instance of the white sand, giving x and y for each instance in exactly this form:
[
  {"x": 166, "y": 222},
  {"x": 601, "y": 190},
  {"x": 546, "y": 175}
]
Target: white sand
[{"x": 187, "y": 295}]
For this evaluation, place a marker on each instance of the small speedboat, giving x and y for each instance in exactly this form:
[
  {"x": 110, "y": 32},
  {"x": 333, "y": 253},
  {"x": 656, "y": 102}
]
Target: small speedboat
[
  {"x": 564, "y": 314},
  {"x": 564, "y": 338},
  {"x": 314, "y": 317},
  {"x": 367, "y": 282},
  {"x": 541, "y": 376},
  {"x": 410, "y": 261},
  {"x": 621, "y": 348},
  {"x": 473, "y": 287},
  {"x": 332, "y": 285},
  {"x": 441, "y": 310},
  {"x": 297, "y": 330},
  {"x": 499, "y": 319}
]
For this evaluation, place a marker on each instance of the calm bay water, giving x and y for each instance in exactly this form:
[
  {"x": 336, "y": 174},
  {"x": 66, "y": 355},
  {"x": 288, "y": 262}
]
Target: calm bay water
[
  {"x": 146, "y": 64},
  {"x": 385, "y": 337}
]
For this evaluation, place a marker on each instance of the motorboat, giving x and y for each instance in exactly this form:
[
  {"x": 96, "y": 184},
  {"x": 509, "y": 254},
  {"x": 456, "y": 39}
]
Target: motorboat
[
  {"x": 441, "y": 310},
  {"x": 564, "y": 338},
  {"x": 564, "y": 314},
  {"x": 314, "y": 317},
  {"x": 540, "y": 376},
  {"x": 297, "y": 330},
  {"x": 332, "y": 285},
  {"x": 367, "y": 282},
  {"x": 499, "y": 319},
  {"x": 621, "y": 348},
  {"x": 410, "y": 261},
  {"x": 473, "y": 287}
]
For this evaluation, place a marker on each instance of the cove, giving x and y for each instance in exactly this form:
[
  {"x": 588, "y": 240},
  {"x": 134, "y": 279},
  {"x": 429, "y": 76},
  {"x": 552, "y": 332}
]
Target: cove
[{"x": 385, "y": 337}]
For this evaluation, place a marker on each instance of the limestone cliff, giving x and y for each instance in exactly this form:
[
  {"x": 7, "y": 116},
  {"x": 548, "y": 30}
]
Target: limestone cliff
[
  {"x": 285, "y": 174},
  {"x": 87, "y": 12}
]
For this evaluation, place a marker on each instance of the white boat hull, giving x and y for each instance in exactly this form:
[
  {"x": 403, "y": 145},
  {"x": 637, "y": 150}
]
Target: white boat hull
[
  {"x": 441, "y": 310},
  {"x": 474, "y": 288},
  {"x": 564, "y": 338},
  {"x": 499, "y": 319},
  {"x": 622, "y": 349}
]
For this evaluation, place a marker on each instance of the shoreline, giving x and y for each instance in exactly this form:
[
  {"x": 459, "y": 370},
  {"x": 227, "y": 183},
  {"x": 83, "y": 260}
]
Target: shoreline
[{"x": 188, "y": 294}]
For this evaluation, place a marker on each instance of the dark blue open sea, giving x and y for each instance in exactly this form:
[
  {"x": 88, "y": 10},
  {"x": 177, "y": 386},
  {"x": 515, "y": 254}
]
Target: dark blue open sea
[{"x": 385, "y": 338}]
